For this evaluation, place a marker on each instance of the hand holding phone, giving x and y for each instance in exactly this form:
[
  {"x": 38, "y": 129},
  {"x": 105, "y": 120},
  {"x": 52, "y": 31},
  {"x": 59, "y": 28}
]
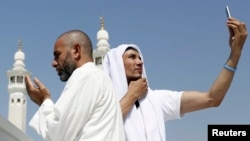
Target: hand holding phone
[{"x": 228, "y": 12}]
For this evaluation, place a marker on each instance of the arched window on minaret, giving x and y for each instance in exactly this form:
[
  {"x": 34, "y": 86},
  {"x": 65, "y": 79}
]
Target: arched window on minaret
[
  {"x": 20, "y": 79},
  {"x": 12, "y": 79}
]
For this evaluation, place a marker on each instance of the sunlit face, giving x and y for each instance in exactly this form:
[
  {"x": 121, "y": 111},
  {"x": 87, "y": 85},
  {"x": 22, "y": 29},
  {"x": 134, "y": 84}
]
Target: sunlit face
[
  {"x": 63, "y": 61},
  {"x": 132, "y": 64}
]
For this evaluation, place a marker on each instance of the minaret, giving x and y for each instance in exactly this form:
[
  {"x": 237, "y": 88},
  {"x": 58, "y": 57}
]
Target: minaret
[
  {"x": 102, "y": 45},
  {"x": 17, "y": 90}
]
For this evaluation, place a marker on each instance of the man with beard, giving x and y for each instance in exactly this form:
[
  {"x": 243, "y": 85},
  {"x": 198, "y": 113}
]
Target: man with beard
[{"x": 87, "y": 109}]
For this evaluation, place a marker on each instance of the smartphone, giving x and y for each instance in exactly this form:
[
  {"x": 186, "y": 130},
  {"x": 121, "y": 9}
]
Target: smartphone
[{"x": 228, "y": 12}]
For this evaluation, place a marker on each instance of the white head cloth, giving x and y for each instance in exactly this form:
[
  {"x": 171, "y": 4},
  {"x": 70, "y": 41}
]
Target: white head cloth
[{"x": 140, "y": 124}]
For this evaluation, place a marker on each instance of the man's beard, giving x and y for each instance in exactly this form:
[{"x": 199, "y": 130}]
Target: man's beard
[{"x": 67, "y": 69}]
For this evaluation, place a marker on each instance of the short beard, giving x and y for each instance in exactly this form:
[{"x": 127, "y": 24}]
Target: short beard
[{"x": 68, "y": 68}]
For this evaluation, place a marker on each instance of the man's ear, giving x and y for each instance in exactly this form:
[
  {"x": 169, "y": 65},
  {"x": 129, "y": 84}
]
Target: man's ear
[{"x": 77, "y": 51}]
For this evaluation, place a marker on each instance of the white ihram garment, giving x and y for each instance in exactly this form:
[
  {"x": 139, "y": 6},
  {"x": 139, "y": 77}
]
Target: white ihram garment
[
  {"x": 87, "y": 110},
  {"x": 146, "y": 123}
]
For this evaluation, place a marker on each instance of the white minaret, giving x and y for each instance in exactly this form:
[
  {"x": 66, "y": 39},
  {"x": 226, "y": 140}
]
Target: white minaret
[
  {"x": 17, "y": 90},
  {"x": 102, "y": 45}
]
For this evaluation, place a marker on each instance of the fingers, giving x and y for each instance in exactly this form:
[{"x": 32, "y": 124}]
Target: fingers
[
  {"x": 236, "y": 25},
  {"x": 28, "y": 83},
  {"x": 30, "y": 86},
  {"x": 231, "y": 32},
  {"x": 233, "y": 26},
  {"x": 243, "y": 28},
  {"x": 145, "y": 80},
  {"x": 39, "y": 84},
  {"x": 237, "y": 30},
  {"x": 37, "y": 91}
]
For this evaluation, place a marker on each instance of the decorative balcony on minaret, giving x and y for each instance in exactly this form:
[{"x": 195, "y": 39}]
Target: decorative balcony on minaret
[
  {"x": 17, "y": 90},
  {"x": 102, "y": 45}
]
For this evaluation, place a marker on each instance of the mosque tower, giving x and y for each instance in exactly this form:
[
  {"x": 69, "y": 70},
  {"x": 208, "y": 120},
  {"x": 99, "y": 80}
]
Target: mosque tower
[
  {"x": 102, "y": 45},
  {"x": 17, "y": 90}
]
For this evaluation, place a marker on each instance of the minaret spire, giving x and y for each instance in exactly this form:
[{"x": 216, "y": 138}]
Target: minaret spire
[
  {"x": 17, "y": 90},
  {"x": 102, "y": 44},
  {"x": 20, "y": 45},
  {"x": 102, "y": 37},
  {"x": 102, "y": 22}
]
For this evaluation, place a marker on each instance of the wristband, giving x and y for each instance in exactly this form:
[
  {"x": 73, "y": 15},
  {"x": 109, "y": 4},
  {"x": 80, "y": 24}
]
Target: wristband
[{"x": 230, "y": 68}]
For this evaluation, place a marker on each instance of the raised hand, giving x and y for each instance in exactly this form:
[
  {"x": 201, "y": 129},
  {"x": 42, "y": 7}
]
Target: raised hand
[
  {"x": 38, "y": 92},
  {"x": 138, "y": 88},
  {"x": 238, "y": 34}
]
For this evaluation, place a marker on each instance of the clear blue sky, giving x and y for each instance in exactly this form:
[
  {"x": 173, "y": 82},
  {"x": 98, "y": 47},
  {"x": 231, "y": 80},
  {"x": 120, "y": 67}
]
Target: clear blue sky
[{"x": 185, "y": 45}]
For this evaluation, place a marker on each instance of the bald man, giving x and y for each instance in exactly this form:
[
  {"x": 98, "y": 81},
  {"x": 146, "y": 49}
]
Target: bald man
[{"x": 87, "y": 109}]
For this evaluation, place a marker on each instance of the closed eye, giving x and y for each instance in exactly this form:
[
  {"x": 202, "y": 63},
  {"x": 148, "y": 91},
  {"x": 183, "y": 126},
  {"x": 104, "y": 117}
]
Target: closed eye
[
  {"x": 133, "y": 56},
  {"x": 56, "y": 55}
]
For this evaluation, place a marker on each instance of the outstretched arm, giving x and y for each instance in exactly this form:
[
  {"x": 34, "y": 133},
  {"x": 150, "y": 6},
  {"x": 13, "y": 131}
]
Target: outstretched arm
[{"x": 194, "y": 100}]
